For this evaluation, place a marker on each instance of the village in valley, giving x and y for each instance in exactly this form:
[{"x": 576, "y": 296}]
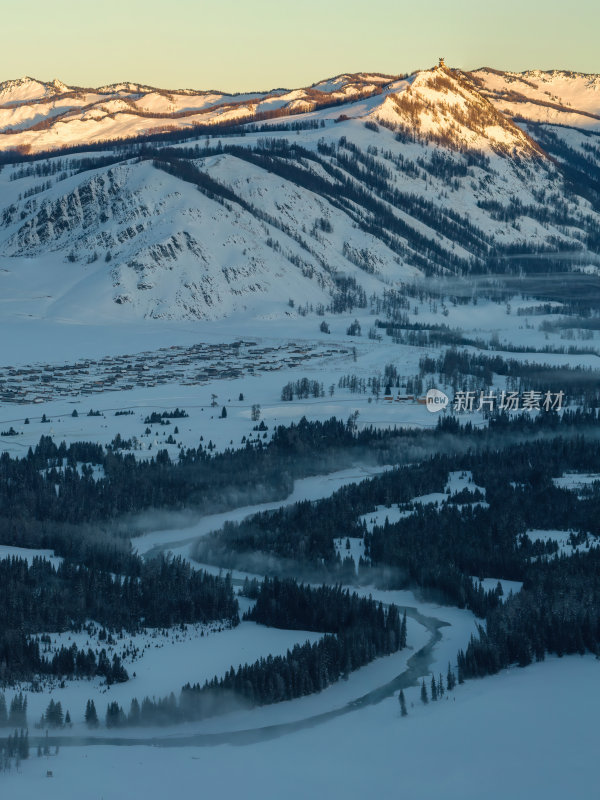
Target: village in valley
[{"x": 186, "y": 366}]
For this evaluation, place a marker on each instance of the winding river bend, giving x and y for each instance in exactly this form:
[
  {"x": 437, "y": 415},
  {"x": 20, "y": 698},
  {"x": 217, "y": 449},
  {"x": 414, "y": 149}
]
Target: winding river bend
[{"x": 417, "y": 668}]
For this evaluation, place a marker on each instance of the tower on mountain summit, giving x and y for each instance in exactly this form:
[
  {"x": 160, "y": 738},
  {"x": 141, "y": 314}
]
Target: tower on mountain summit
[{"x": 442, "y": 63}]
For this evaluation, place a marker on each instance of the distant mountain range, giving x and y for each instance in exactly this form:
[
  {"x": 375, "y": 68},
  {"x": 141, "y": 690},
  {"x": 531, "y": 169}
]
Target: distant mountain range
[
  {"x": 46, "y": 115},
  {"x": 200, "y": 204}
]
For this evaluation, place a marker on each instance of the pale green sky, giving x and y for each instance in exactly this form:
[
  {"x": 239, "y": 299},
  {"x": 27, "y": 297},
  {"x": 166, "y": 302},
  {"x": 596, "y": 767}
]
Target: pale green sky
[{"x": 239, "y": 45}]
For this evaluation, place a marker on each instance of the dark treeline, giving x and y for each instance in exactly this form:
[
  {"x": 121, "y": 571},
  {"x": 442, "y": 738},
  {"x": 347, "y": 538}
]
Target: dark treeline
[
  {"x": 46, "y": 502},
  {"x": 580, "y": 169},
  {"x": 362, "y": 186},
  {"x": 478, "y": 540},
  {"x": 286, "y": 604},
  {"x": 198, "y": 478},
  {"x": 306, "y": 669},
  {"x": 419, "y": 334},
  {"x": 362, "y": 629},
  {"x": 15, "y": 715},
  {"x": 15, "y": 746},
  {"x": 557, "y": 611},
  {"x": 302, "y": 389},
  {"x": 305, "y": 530},
  {"x": 69, "y": 662},
  {"x": 347, "y": 294},
  {"x": 42, "y": 597},
  {"x": 572, "y": 294},
  {"x": 161, "y": 416},
  {"x": 438, "y": 548},
  {"x": 579, "y": 384}
]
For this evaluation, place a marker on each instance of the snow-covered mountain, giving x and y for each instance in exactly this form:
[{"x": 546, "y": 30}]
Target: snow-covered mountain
[
  {"x": 557, "y": 97},
  {"x": 322, "y": 196},
  {"x": 35, "y": 115}
]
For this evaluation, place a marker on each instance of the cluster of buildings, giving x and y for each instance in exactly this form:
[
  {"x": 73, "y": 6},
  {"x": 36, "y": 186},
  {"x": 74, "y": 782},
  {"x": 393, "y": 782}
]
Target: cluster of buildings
[{"x": 196, "y": 364}]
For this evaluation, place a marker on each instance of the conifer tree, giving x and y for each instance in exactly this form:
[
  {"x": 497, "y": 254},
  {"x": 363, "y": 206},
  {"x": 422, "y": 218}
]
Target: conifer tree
[
  {"x": 115, "y": 716},
  {"x": 461, "y": 659},
  {"x": 53, "y": 716},
  {"x": 450, "y": 679},
  {"x": 3, "y": 711},
  {"x": 91, "y": 716},
  {"x": 18, "y": 711},
  {"x": 402, "y": 701},
  {"x": 133, "y": 718},
  {"x": 403, "y": 631},
  {"x": 434, "y": 693},
  {"x": 23, "y": 745},
  {"x": 424, "y": 698}
]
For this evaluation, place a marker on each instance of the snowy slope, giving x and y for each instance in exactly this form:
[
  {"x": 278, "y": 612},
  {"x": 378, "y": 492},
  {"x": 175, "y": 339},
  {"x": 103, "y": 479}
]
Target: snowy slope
[
  {"x": 386, "y": 180},
  {"x": 559, "y": 97},
  {"x": 445, "y": 105},
  {"x": 45, "y": 116},
  {"x": 172, "y": 252},
  {"x": 37, "y": 115}
]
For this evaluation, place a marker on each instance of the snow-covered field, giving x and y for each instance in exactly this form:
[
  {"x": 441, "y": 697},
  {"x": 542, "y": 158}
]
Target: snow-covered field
[
  {"x": 475, "y": 719},
  {"x": 295, "y": 349},
  {"x": 508, "y": 587},
  {"x": 575, "y": 481},
  {"x": 171, "y": 661},
  {"x": 350, "y": 547},
  {"x": 163, "y": 664},
  {"x": 563, "y": 540},
  {"x": 354, "y": 753},
  {"x": 521, "y": 734},
  {"x": 165, "y": 660}
]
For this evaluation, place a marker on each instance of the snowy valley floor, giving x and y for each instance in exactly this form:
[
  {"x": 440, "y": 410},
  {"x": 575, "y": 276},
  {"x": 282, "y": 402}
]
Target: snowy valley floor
[
  {"x": 521, "y": 734},
  {"x": 525, "y": 733},
  {"x": 528, "y": 733}
]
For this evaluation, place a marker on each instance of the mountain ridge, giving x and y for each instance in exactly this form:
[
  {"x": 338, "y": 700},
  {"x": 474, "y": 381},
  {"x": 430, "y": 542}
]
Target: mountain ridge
[
  {"x": 49, "y": 115},
  {"x": 417, "y": 176}
]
